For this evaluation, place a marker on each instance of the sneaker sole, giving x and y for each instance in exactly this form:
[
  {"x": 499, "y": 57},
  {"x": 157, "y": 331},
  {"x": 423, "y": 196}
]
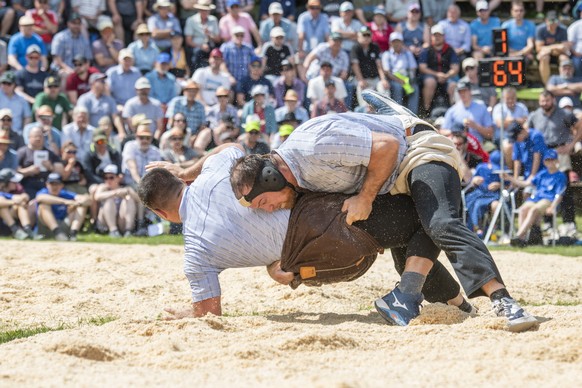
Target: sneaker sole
[
  {"x": 521, "y": 325},
  {"x": 390, "y": 316}
]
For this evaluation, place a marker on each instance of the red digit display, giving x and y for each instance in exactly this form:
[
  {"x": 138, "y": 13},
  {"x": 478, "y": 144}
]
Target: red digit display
[
  {"x": 516, "y": 70},
  {"x": 499, "y": 75},
  {"x": 500, "y": 48},
  {"x": 501, "y": 72}
]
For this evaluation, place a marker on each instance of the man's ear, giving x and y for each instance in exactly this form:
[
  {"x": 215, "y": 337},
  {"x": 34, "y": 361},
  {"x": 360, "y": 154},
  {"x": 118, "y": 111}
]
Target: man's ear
[{"x": 161, "y": 213}]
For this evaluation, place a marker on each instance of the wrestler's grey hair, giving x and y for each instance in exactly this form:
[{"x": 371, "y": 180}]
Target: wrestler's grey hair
[
  {"x": 157, "y": 186},
  {"x": 244, "y": 172}
]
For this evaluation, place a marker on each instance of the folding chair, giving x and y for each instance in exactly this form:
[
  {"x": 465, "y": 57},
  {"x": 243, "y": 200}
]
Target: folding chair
[{"x": 515, "y": 212}]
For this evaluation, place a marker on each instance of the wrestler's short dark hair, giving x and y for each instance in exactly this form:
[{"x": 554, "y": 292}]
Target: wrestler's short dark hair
[
  {"x": 244, "y": 172},
  {"x": 157, "y": 186}
]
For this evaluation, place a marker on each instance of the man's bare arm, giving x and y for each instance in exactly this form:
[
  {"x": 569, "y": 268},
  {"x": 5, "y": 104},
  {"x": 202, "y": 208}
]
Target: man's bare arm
[
  {"x": 191, "y": 173},
  {"x": 382, "y": 164}
]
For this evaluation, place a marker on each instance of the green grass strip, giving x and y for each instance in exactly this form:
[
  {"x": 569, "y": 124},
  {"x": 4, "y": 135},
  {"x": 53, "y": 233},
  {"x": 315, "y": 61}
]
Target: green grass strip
[{"x": 13, "y": 334}]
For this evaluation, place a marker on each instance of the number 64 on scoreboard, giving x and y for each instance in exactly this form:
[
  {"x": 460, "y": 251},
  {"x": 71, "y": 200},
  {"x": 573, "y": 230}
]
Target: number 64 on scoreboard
[{"x": 500, "y": 72}]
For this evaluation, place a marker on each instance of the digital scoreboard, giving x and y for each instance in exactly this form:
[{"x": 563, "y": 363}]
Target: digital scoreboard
[{"x": 501, "y": 70}]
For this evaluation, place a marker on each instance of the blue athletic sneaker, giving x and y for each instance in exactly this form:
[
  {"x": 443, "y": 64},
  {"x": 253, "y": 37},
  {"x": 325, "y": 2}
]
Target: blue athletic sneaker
[
  {"x": 517, "y": 318},
  {"x": 384, "y": 105},
  {"x": 398, "y": 308}
]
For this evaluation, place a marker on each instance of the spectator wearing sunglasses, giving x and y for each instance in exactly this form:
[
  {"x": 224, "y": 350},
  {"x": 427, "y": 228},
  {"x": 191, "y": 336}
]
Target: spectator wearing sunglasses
[
  {"x": 77, "y": 82},
  {"x": 177, "y": 152},
  {"x": 415, "y": 32},
  {"x": 252, "y": 142},
  {"x": 237, "y": 17},
  {"x": 79, "y": 132},
  {"x": 486, "y": 95},
  {"x": 8, "y": 157},
  {"x": 13, "y": 138},
  {"x": 52, "y": 136},
  {"x": 57, "y": 101},
  {"x": 117, "y": 204},
  {"x": 30, "y": 79},
  {"x": 312, "y": 28},
  {"x": 100, "y": 155},
  {"x": 20, "y": 42},
  {"x": 73, "y": 171},
  {"x": 20, "y": 109},
  {"x": 68, "y": 44},
  {"x": 138, "y": 153}
]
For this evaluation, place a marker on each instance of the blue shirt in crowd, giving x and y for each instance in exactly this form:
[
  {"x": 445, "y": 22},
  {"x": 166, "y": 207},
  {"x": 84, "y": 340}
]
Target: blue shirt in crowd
[{"x": 60, "y": 211}]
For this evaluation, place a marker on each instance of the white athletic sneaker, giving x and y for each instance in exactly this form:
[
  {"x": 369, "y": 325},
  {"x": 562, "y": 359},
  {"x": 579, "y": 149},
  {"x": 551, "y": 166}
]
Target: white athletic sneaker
[{"x": 518, "y": 319}]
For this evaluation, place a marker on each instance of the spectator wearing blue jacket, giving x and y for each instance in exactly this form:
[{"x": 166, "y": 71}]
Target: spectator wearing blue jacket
[
  {"x": 550, "y": 185},
  {"x": 486, "y": 193},
  {"x": 528, "y": 149}
]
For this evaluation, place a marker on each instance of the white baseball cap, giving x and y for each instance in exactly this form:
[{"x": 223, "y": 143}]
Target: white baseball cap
[
  {"x": 143, "y": 83},
  {"x": 481, "y": 4},
  {"x": 565, "y": 101},
  {"x": 275, "y": 8},
  {"x": 346, "y": 6},
  {"x": 470, "y": 61},
  {"x": 437, "y": 29},
  {"x": 238, "y": 30},
  {"x": 277, "y": 31},
  {"x": 396, "y": 36},
  {"x": 111, "y": 169}
]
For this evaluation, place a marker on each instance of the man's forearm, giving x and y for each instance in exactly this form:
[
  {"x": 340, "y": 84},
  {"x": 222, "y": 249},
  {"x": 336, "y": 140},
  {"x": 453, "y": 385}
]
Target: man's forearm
[
  {"x": 191, "y": 173},
  {"x": 383, "y": 159}
]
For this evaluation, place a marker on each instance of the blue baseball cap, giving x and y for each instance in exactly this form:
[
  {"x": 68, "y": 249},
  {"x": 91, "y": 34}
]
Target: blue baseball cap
[
  {"x": 550, "y": 154},
  {"x": 164, "y": 58},
  {"x": 379, "y": 11},
  {"x": 230, "y": 3}
]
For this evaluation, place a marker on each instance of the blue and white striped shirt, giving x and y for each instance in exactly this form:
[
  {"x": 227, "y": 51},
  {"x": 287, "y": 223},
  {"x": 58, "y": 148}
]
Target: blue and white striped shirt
[
  {"x": 331, "y": 153},
  {"x": 219, "y": 233}
]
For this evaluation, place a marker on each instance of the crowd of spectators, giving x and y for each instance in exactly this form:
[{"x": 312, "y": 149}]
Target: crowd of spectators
[{"x": 92, "y": 91}]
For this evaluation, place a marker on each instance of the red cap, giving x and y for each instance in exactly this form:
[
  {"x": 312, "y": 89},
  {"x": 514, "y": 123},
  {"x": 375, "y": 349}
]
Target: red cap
[{"x": 216, "y": 53}]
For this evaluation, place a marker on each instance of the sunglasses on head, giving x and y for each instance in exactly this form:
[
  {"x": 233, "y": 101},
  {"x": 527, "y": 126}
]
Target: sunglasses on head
[
  {"x": 35, "y": 57},
  {"x": 53, "y": 86}
]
